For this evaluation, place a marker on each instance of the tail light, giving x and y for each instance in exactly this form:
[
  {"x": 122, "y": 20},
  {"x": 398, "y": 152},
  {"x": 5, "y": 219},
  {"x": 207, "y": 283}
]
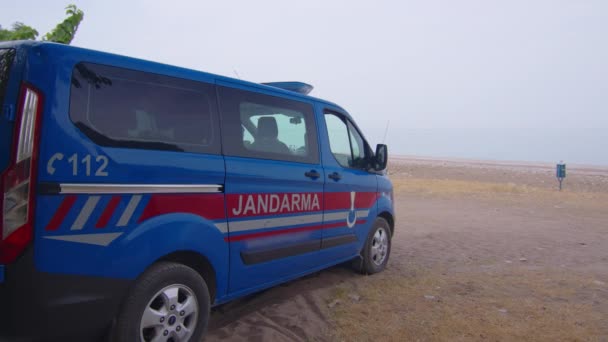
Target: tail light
[{"x": 17, "y": 182}]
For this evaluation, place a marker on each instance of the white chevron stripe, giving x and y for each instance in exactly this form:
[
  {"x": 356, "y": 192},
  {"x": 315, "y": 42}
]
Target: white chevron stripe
[
  {"x": 103, "y": 239},
  {"x": 362, "y": 213},
  {"x": 129, "y": 210},
  {"x": 341, "y": 215},
  {"x": 85, "y": 213},
  {"x": 238, "y": 226},
  {"x": 222, "y": 226}
]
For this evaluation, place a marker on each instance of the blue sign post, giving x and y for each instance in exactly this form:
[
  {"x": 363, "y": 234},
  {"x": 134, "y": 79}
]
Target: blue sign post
[{"x": 560, "y": 172}]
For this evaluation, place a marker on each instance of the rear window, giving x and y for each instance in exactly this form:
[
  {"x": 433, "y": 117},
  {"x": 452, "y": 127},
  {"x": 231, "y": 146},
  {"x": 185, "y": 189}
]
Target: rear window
[
  {"x": 134, "y": 109},
  {"x": 6, "y": 61}
]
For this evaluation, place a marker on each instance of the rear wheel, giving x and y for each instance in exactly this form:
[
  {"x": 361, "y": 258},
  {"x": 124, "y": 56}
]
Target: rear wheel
[
  {"x": 169, "y": 302},
  {"x": 376, "y": 250}
]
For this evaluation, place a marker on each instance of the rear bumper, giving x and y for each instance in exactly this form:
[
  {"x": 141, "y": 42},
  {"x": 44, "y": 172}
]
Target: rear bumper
[{"x": 46, "y": 307}]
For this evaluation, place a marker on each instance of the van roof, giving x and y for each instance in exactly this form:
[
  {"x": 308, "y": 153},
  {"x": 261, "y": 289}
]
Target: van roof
[{"x": 181, "y": 70}]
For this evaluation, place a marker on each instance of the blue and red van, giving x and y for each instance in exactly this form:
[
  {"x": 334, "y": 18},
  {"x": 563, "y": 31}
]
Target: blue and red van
[{"x": 137, "y": 195}]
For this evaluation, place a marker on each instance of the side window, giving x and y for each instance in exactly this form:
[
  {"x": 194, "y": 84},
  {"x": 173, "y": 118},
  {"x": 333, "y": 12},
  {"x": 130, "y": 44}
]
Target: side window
[
  {"x": 346, "y": 144},
  {"x": 267, "y": 127},
  {"x": 339, "y": 141},
  {"x": 134, "y": 109},
  {"x": 358, "y": 147}
]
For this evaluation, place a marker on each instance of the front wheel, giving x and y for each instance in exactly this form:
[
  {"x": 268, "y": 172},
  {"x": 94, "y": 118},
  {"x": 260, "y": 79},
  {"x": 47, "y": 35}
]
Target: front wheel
[
  {"x": 169, "y": 302},
  {"x": 376, "y": 250}
]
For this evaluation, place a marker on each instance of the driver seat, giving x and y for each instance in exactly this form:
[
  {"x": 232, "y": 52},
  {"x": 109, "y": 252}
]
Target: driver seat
[{"x": 267, "y": 137}]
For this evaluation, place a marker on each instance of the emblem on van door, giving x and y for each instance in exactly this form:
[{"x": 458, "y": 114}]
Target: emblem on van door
[{"x": 352, "y": 212}]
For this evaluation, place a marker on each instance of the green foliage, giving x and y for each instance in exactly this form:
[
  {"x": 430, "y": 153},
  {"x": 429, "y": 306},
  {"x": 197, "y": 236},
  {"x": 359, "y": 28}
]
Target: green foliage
[
  {"x": 20, "y": 31},
  {"x": 63, "y": 33}
]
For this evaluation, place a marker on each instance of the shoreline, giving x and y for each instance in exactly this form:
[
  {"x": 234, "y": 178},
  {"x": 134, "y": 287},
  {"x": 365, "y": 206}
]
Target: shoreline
[{"x": 586, "y": 169}]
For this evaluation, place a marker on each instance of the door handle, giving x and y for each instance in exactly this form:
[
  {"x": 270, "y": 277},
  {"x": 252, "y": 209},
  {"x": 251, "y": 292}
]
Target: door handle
[
  {"x": 335, "y": 176},
  {"x": 312, "y": 174}
]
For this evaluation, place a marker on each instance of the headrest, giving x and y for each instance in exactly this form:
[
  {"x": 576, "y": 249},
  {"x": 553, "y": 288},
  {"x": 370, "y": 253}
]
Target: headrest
[{"x": 267, "y": 127}]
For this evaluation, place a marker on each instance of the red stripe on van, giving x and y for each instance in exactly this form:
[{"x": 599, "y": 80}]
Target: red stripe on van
[
  {"x": 61, "y": 213},
  {"x": 341, "y": 200},
  {"x": 107, "y": 213},
  {"x": 209, "y": 206}
]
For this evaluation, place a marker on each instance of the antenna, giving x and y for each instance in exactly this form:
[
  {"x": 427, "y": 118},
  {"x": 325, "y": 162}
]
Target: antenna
[
  {"x": 236, "y": 73},
  {"x": 386, "y": 131}
]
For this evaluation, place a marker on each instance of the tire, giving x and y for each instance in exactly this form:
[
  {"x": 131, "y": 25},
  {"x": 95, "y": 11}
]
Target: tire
[
  {"x": 169, "y": 299},
  {"x": 376, "y": 250}
]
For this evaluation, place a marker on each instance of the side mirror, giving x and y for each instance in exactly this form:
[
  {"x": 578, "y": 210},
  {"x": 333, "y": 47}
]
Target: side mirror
[{"x": 381, "y": 157}]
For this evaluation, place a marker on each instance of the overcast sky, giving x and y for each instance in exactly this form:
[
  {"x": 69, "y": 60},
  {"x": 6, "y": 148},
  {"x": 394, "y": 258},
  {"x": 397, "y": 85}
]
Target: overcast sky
[{"x": 506, "y": 80}]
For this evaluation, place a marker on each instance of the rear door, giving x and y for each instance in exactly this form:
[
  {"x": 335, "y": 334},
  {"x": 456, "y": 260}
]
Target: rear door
[
  {"x": 8, "y": 100},
  {"x": 350, "y": 189},
  {"x": 13, "y": 181},
  {"x": 274, "y": 186}
]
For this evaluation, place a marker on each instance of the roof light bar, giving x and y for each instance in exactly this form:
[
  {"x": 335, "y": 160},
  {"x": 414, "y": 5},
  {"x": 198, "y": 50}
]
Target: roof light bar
[{"x": 298, "y": 87}]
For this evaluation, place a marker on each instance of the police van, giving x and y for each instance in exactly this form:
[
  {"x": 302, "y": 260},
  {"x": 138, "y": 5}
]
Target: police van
[{"x": 138, "y": 195}]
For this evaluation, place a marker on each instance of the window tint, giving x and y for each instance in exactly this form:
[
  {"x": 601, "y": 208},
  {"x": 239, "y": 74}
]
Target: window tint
[
  {"x": 134, "y": 109},
  {"x": 339, "y": 142},
  {"x": 358, "y": 147},
  {"x": 346, "y": 144},
  {"x": 268, "y": 127},
  {"x": 6, "y": 61}
]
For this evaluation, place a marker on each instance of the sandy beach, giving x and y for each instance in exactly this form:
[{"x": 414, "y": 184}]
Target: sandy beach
[{"x": 482, "y": 251}]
